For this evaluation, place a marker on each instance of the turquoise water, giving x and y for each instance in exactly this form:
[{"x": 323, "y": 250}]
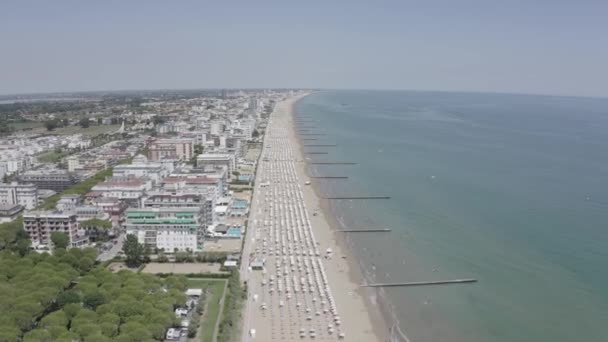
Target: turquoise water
[{"x": 509, "y": 189}]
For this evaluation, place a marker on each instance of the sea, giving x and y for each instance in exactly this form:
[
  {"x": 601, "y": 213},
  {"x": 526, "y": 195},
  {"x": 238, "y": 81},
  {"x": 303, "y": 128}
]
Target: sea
[{"x": 511, "y": 190}]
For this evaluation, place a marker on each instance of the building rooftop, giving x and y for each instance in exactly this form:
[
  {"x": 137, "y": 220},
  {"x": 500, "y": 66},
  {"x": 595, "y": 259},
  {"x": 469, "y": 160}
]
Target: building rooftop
[
  {"x": 47, "y": 213},
  {"x": 191, "y": 180},
  {"x": 152, "y": 211},
  {"x": 129, "y": 183},
  {"x": 10, "y": 207}
]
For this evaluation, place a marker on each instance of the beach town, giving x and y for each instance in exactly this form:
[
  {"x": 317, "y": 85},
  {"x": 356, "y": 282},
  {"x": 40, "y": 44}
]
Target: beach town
[{"x": 205, "y": 187}]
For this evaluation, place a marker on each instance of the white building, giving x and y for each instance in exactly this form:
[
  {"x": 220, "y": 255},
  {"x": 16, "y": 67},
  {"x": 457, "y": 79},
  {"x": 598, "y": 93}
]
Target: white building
[
  {"x": 131, "y": 191},
  {"x": 167, "y": 228},
  {"x": 216, "y": 128},
  {"x": 208, "y": 186},
  {"x": 154, "y": 171},
  {"x": 220, "y": 159},
  {"x": 22, "y": 194},
  {"x": 246, "y": 126},
  {"x": 86, "y": 161},
  {"x": 68, "y": 202}
]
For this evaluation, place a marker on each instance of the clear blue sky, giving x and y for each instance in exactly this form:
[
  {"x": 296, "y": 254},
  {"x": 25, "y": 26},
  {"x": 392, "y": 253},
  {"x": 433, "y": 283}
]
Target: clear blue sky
[{"x": 547, "y": 47}]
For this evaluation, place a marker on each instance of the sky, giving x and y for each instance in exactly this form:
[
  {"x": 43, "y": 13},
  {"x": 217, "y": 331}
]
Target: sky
[{"x": 540, "y": 47}]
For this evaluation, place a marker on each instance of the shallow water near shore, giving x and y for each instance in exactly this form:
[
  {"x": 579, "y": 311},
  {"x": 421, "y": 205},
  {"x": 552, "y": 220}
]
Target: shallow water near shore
[{"x": 509, "y": 189}]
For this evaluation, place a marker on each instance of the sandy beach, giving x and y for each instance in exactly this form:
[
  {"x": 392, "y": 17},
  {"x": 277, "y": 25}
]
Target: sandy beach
[
  {"x": 363, "y": 316},
  {"x": 304, "y": 292}
]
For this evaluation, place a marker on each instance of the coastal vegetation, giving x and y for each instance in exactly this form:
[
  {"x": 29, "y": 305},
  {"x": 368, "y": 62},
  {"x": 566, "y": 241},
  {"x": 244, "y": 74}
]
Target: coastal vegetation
[
  {"x": 67, "y": 297},
  {"x": 52, "y": 156},
  {"x": 98, "y": 230},
  {"x": 236, "y": 294},
  {"x": 209, "y": 310},
  {"x": 134, "y": 251}
]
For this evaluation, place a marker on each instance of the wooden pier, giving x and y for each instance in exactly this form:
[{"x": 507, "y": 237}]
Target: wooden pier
[
  {"x": 313, "y": 134},
  {"x": 316, "y": 152},
  {"x": 329, "y": 177},
  {"x": 372, "y": 230},
  {"x": 320, "y": 145},
  {"x": 332, "y": 163},
  {"x": 422, "y": 283},
  {"x": 356, "y": 197}
]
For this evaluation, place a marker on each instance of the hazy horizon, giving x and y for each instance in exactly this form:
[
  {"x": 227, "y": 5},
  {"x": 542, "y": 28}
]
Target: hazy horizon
[
  {"x": 543, "y": 48},
  {"x": 296, "y": 88}
]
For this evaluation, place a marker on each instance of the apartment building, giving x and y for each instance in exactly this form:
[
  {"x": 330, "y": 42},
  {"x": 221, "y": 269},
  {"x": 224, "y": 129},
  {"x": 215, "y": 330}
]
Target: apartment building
[
  {"x": 167, "y": 228},
  {"x": 217, "y": 159},
  {"x": 22, "y": 194},
  {"x": 39, "y": 225},
  {"x": 163, "y": 199},
  {"x": 130, "y": 190},
  {"x": 51, "y": 179},
  {"x": 160, "y": 149}
]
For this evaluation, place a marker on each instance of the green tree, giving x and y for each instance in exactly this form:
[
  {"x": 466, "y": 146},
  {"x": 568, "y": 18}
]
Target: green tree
[
  {"x": 22, "y": 247},
  {"x": 54, "y": 318},
  {"x": 134, "y": 251},
  {"x": 194, "y": 323},
  {"x": 50, "y": 125},
  {"x": 68, "y": 297},
  {"x": 72, "y": 309},
  {"x": 60, "y": 240},
  {"x": 109, "y": 329},
  {"x": 85, "y": 264},
  {"x": 94, "y": 299},
  {"x": 98, "y": 230},
  {"x": 65, "y": 122},
  {"x": 99, "y": 120},
  {"x": 38, "y": 335},
  {"x": 9, "y": 333},
  {"x": 84, "y": 122}
]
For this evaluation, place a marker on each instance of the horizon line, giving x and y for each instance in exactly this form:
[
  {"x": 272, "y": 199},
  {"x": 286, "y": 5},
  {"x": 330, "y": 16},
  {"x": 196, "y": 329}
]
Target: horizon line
[{"x": 304, "y": 88}]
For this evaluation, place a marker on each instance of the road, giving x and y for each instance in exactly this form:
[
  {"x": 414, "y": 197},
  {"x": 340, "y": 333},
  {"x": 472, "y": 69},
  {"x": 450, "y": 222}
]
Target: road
[
  {"x": 112, "y": 252},
  {"x": 255, "y": 219}
]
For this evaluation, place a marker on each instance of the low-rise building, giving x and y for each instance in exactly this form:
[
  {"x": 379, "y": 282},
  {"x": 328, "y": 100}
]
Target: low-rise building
[
  {"x": 130, "y": 190},
  {"x": 68, "y": 202},
  {"x": 221, "y": 159},
  {"x": 86, "y": 162},
  {"x": 204, "y": 185},
  {"x": 154, "y": 171},
  {"x": 87, "y": 212},
  {"x": 51, "y": 179},
  {"x": 22, "y": 194},
  {"x": 9, "y": 212}
]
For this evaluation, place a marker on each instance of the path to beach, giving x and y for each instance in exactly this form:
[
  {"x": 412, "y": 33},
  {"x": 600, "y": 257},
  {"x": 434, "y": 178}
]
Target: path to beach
[{"x": 303, "y": 292}]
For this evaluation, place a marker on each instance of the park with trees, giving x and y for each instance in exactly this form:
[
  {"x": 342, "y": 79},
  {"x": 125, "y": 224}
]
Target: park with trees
[{"x": 67, "y": 296}]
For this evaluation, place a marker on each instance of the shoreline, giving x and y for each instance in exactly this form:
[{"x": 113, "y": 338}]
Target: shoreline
[{"x": 344, "y": 262}]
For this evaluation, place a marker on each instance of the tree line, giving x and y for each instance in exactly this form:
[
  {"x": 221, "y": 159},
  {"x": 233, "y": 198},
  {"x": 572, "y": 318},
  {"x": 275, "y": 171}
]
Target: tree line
[{"x": 68, "y": 297}]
